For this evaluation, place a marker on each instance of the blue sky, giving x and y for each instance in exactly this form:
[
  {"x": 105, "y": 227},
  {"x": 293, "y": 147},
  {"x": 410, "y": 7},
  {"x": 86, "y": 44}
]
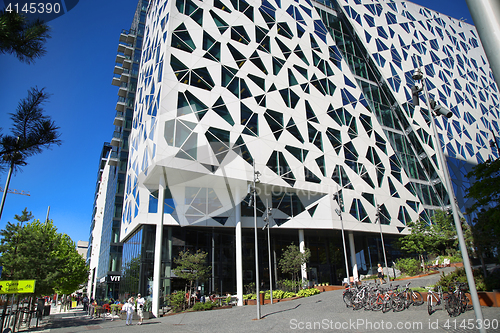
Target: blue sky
[{"x": 77, "y": 70}]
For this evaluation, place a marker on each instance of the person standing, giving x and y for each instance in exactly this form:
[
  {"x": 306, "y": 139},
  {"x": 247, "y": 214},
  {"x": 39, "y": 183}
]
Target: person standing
[
  {"x": 140, "y": 308},
  {"x": 85, "y": 302},
  {"x": 129, "y": 309},
  {"x": 68, "y": 302}
]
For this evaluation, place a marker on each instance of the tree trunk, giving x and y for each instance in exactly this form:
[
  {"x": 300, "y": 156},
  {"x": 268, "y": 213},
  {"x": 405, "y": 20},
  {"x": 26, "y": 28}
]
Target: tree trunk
[{"x": 483, "y": 265}]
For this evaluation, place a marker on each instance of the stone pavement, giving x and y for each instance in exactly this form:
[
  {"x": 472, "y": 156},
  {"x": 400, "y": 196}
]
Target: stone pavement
[{"x": 323, "y": 312}]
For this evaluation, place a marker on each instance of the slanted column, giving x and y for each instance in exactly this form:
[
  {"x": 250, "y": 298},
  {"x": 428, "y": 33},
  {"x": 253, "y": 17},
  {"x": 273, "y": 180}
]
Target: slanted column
[
  {"x": 158, "y": 249},
  {"x": 302, "y": 247},
  {"x": 239, "y": 257},
  {"x": 354, "y": 263}
]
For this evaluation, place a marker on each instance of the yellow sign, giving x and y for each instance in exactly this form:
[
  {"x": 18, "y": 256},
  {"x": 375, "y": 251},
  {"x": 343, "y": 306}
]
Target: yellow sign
[{"x": 17, "y": 287}]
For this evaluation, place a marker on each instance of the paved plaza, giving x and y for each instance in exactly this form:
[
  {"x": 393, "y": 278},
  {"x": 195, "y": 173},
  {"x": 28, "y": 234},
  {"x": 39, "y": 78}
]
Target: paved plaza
[{"x": 323, "y": 312}]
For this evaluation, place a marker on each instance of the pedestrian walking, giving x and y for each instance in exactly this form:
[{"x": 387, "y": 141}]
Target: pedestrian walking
[
  {"x": 140, "y": 308},
  {"x": 129, "y": 309},
  {"x": 380, "y": 274}
]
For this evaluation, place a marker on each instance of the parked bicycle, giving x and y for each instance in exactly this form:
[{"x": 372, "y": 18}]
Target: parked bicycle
[
  {"x": 411, "y": 297},
  {"x": 459, "y": 300},
  {"x": 434, "y": 299}
]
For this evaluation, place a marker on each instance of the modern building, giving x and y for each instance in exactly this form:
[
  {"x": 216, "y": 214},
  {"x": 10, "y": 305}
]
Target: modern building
[
  {"x": 105, "y": 250},
  {"x": 312, "y": 101}
]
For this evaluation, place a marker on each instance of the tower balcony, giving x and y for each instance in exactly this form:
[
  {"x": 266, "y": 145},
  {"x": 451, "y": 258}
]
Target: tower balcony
[
  {"x": 127, "y": 37},
  {"x": 119, "y": 119},
  {"x": 122, "y": 92},
  {"x": 120, "y": 104},
  {"x": 116, "y": 80},
  {"x": 127, "y": 62},
  {"x": 113, "y": 159},
  {"x": 118, "y": 69},
  {"x": 126, "y": 49},
  {"x": 116, "y": 140},
  {"x": 120, "y": 58}
]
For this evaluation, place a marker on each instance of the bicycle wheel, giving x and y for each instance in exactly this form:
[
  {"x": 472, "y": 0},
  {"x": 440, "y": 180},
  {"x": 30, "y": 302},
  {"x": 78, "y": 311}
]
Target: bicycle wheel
[
  {"x": 467, "y": 301},
  {"x": 429, "y": 304},
  {"x": 357, "y": 302},
  {"x": 387, "y": 305},
  {"x": 452, "y": 305},
  {"x": 367, "y": 304},
  {"x": 348, "y": 295},
  {"x": 377, "y": 303},
  {"x": 417, "y": 298},
  {"x": 398, "y": 303}
]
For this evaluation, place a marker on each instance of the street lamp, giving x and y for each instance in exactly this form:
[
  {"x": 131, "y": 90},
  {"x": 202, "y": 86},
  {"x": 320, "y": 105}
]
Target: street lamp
[
  {"x": 267, "y": 219},
  {"x": 377, "y": 214},
  {"x": 253, "y": 201},
  {"x": 338, "y": 197},
  {"x": 436, "y": 110}
]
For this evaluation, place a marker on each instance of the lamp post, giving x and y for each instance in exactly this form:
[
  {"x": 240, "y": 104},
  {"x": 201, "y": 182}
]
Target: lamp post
[
  {"x": 438, "y": 111},
  {"x": 253, "y": 201},
  {"x": 338, "y": 197},
  {"x": 382, "y": 238},
  {"x": 267, "y": 219}
]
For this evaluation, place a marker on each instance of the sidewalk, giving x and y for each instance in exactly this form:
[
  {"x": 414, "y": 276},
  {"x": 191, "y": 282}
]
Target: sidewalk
[{"x": 322, "y": 312}]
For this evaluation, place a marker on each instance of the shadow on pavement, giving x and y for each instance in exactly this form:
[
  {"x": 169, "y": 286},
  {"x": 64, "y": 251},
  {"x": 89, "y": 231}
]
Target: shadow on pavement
[{"x": 276, "y": 312}]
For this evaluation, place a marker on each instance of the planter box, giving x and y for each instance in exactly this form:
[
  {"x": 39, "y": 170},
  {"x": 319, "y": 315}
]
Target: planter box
[
  {"x": 417, "y": 276},
  {"x": 486, "y": 298},
  {"x": 329, "y": 288}
]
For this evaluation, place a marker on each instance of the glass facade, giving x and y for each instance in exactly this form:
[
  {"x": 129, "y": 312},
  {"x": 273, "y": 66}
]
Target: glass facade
[
  {"x": 317, "y": 97},
  {"x": 327, "y": 262}
]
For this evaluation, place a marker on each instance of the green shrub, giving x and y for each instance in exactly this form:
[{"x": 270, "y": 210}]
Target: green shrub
[
  {"x": 177, "y": 301},
  {"x": 289, "y": 285},
  {"x": 198, "y": 306},
  {"x": 307, "y": 292},
  {"x": 209, "y": 305},
  {"x": 278, "y": 294},
  {"x": 453, "y": 259},
  {"x": 458, "y": 275},
  {"x": 408, "y": 266},
  {"x": 204, "y": 306}
]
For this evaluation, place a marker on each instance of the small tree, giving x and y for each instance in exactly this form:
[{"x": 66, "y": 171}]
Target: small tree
[
  {"x": 438, "y": 238},
  {"x": 191, "y": 267},
  {"x": 418, "y": 241},
  {"x": 36, "y": 251},
  {"x": 292, "y": 260}
]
